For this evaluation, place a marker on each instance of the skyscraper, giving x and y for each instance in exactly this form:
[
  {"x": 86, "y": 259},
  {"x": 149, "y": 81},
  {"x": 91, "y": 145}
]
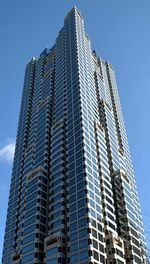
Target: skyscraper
[{"x": 73, "y": 196}]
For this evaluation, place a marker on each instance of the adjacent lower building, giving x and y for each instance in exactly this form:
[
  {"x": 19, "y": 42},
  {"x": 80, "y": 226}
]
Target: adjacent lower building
[{"x": 73, "y": 196}]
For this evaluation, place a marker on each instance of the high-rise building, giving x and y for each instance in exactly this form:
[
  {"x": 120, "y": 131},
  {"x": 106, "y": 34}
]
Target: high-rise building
[{"x": 73, "y": 196}]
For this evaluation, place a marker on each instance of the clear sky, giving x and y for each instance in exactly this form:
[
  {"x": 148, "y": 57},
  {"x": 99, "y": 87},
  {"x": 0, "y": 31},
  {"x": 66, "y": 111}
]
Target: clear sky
[{"x": 119, "y": 31}]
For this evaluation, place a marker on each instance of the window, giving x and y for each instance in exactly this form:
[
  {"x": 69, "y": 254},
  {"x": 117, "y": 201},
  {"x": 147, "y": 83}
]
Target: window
[
  {"x": 51, "y": 251},
  {"x": 95, "y": 255},
  {"x": 83, "y": 255},
  {"x": 95, "y": 244},
  {"x": 29, "y": 230},
  {"x": 94, "y": 233},
  {"x": 27, "y": 258},
  {"x": 82, "y": 233},
  {"x": 102, "y": 259},
  {"x": 83, "y": 243},
  {"x": 74, "y": 247},
  {"x": 73, "y": 259},
  {"x": 29, "y": 238},
  {"x": 52, "y": 261},
  {"x": 28, "y": 248}
]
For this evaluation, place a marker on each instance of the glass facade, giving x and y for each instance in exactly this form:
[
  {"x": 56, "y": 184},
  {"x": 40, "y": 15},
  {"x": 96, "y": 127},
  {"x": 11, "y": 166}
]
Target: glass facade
[{"x": 73, "y": 196}]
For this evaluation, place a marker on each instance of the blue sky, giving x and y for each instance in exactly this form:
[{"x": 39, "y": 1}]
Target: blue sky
[{"x": 119, "y": 31}]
